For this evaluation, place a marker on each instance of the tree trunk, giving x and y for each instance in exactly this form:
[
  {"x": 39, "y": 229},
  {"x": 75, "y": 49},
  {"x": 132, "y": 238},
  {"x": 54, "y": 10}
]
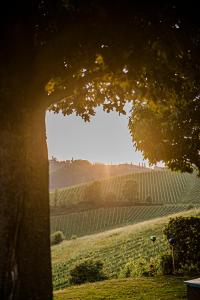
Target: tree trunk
[{"x": 25, "y": 260}]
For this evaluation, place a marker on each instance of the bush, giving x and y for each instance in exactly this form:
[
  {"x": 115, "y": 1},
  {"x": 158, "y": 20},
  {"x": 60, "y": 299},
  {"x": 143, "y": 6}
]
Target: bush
[
  {"x": 166, "y": 264},
  {"x": 87, "y": 271},
  {"x": 186, "y": 234},
  {"x": 140, "y": 267},
  {"x": 57, "y": 237}
]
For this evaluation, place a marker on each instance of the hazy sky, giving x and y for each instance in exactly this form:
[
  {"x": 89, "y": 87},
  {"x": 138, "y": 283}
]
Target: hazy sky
[{"x": 105, "y": 139}]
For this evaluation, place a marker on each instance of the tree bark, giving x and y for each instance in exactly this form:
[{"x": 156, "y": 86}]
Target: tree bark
[{"x": 25, "y": 260}]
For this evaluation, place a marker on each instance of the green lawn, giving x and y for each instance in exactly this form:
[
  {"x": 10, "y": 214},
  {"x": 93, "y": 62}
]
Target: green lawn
[{"x": 158, "y": 288}]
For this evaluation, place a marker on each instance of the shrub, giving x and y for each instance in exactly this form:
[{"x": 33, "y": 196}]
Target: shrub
[
  {"x": 130, "y": 191},
  {"x": 186, "y": 234},
  {"x": 87, "y": 271},
  {"x": 57, "y": 237},
  {"x": 166, "y": 264},
  {"x": 140, "y": 267},
  {"x": 93, "y": 193}
]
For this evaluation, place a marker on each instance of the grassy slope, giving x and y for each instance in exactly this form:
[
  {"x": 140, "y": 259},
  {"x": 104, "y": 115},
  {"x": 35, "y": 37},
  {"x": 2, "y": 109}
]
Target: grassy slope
[
  {"x": 102, "y": 219},
  {"x": 159, "y": 288},
  {"x": 175, "y": 190},
  {"x": 114, "y": 248}
]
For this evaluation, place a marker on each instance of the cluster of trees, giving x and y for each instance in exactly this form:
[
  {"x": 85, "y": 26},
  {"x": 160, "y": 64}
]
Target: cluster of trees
[
  {"x": 131, "y": 191},
  {"x": 93, "y": 195},
  {"x": 131, "y": 194},
  {"x": 72, "y": 56}
]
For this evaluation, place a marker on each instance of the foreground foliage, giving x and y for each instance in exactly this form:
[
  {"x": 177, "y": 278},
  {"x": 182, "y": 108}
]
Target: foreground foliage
[
  {"x": 186, "y": 235},
  {"x": 141, "y": 267},
  {"x": 159, "y": 288}
]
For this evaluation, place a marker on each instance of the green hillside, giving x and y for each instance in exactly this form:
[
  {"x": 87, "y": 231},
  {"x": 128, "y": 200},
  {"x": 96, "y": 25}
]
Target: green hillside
[
  {"x": 99, "y": 220},
  {"x": 114, "y": 248},
  {"x": 71, "y": 172},
  {"x": 161, "y": 186},
  {"x": 169, "y": 192}
]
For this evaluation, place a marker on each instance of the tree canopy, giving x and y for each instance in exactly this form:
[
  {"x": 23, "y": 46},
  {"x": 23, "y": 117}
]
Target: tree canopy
[
  {"x": 131, "y": 191},
  {"x": 72, "y": 56}
]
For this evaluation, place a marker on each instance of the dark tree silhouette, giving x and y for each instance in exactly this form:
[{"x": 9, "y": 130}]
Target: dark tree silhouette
[
  {"x": 72, "y": 56},
  {"x": 131, "y": 191},
  {"x": 93, "y": 193}
]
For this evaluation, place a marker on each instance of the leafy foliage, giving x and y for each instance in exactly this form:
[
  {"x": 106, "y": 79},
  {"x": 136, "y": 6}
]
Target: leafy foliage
[
  {"x": 78, "y": 69},
  {"x": 130, "y": 191},
  {"x": 74, "y": 69},
  {"x": 168, "y": 131},
  {"x": 186, "y": 232},
  {"x": 93, "y": 193},
  {"x": 140, "y": 267},
  {"x": 57, "y": 237},
  {"x": 87, "y": 271},
  {"x": 65, "y": 56}
]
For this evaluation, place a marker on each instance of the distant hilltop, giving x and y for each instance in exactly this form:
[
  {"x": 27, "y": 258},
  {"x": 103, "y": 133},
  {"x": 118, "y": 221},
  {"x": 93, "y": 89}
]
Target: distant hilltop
[{"x": 72, "y": 172}]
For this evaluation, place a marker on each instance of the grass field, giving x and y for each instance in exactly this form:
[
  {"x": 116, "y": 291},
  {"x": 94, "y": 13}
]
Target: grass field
[
  {"x": 159, "y": 288},
  {"x": 114, "y": 248}
]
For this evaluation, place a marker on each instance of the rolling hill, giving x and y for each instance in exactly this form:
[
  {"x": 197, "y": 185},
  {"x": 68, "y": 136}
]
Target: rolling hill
[
  {"x": 169, "y": 192},
  {"x": 114, "y": 248},
  {"x": 163, "y": 187},
  {"x": 71, "y": 172},
  {"x": 102, "y": 219}
]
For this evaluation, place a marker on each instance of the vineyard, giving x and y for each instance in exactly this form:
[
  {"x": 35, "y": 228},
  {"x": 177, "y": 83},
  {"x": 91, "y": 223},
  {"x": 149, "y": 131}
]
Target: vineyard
[
  {"x": 98, "y": 220},
  {"x": 114, "y": 248},
  {"x": 161, "y": 186},
  {"x": 170, "y": 192}
]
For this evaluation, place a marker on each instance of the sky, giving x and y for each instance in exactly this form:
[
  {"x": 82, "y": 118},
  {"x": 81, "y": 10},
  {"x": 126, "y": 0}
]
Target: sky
[{"x": 106, "y": 139}]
